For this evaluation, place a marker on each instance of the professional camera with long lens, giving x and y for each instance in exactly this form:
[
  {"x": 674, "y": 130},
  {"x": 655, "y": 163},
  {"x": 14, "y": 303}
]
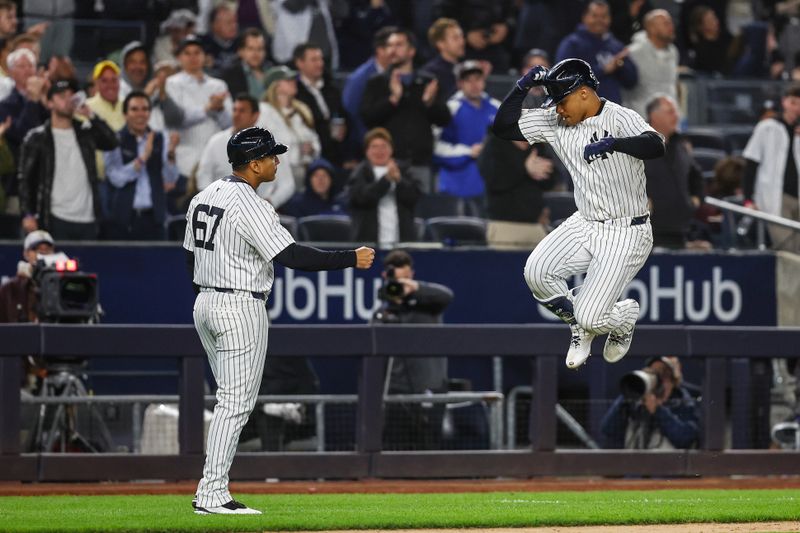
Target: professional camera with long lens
[
  {"x": 391, "y": 288},
  {"x": 640, "y": 382},
  {"x": 65, "y": 294}
]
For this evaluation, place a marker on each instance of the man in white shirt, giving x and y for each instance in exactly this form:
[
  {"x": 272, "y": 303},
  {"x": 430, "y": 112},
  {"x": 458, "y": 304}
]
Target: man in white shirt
[
  {"x": 57, "y": 168},
  {"x": 656, "y": 59},
  {"x": 205, "y": 102},
  {"x": 214, "y": 162}
]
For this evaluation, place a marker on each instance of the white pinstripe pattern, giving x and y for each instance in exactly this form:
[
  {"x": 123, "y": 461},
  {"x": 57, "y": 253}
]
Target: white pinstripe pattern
[
  {"x": 611, "y": 190},
  {"x": 607, "y": 188},
  {"x": 234, "y": 331},
  {"x": 610, "y": 256},
  {"x": 232, "y": 327}
]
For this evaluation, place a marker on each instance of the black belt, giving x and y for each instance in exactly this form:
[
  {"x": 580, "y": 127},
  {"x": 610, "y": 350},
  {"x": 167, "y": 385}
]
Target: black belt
[
  {"x": 256, "y": 295},
  {"x": 142, "y": 212},
  {"x": 638, "y": 221}
]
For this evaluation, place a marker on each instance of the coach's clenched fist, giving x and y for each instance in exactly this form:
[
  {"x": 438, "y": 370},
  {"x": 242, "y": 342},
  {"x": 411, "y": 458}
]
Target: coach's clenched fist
[{"x": 364, "y": 257}]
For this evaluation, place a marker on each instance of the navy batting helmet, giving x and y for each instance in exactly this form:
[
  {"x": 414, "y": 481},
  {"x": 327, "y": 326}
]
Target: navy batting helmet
[
  {"x": 565, "y": 77},
  {"x": 251, "y": 144}
]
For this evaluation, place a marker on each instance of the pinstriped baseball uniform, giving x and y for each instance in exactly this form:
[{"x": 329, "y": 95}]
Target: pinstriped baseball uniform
[
  {"x": 599, "y": 238},
  {"x": 234, "y": 235}
]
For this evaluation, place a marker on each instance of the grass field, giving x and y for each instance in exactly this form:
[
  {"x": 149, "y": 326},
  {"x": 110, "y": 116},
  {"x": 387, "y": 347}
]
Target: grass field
[{"x": 286, "y": 512}]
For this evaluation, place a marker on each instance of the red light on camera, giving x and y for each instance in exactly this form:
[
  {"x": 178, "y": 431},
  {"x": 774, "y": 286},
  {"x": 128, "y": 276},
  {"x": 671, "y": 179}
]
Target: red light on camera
[
  {"x": 61, "y": 266},
  {"x": 72, "y": 265}
]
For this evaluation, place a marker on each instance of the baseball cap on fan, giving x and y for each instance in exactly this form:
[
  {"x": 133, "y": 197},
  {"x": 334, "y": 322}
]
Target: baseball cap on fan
[
  {"x": 60, "y": 86},
  {"x": 468, "y": 67},
  {"x": 35, "y": 238}
]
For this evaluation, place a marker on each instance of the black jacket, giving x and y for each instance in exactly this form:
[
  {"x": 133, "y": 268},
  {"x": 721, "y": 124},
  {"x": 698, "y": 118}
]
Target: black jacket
[
  {"x": 512, "y": 195},
  {"x": 365, "y": 193},
  {"x": 425, "y": 306},
  {"x": 410, "y": 121},
  {"x": 37, "y": 164},
  {"x": 671, "y": 182},
  {"x": 331, "y": 149}
]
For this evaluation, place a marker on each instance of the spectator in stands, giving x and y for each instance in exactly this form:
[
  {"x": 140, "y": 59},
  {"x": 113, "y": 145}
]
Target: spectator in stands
[
  {"x": 608, "y": 57},
  {"x": 301, "y": 21},
  {"x": 447, "y": 37},
  {"x": 57, "y": 168},
  {"x": 55, "y": 18},
  {"x": 516, "y": 175},
  {"x": 220, "y": 41},
  {"x": 627, "y": 18},
  {"x": 179, "y": 25},
  {"x": 290, "y": 121},
  {"x": 356, "y": 31},
  {"x": 135, "y": 68},
  {"x": 323, "y": 98},
  {"x": 18, "y": 295},
  {"x": 165, "y": 112},
  {"x": 674, "y": 182},
  {"x": 461, "y": 142},
  {"x": 533, "y": 57},
  {"x": 383, "y": 194},
  {"x": 355, "y": 85},
  {"x": 543, "y": 23},
  {"x": 106, "y": 103},
  {"x": 214, "y": 162},
  {"x": 711, "y": 48},
  {"x": 24, "y": 106},
  {"x": 408, "y": 104},
  {"x": 656, "y": 59},
  {"x": 771, "y": 176},
  {"x": 412, "y": 425},
  {"x": 320, "y": 195},
  {"x": 247, "y": 73},
  {"x": 487, "y": 24},
  {"x": 666, "y": 417},
  {"x": 725, "y": 185},
  {"x": 7, "y": 169},
  {"x": 8, "y": 20},
  {"x": 204, "y": 100},
  {"x": 141, "y": 170},
  {"x": 257, "y": 15}
]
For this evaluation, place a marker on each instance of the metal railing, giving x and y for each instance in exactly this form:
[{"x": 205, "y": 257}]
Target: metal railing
[
  {"x": 737, "y": 356},
  {"x": 760, "y": 218},
  {"x": 493, "y": 400}
]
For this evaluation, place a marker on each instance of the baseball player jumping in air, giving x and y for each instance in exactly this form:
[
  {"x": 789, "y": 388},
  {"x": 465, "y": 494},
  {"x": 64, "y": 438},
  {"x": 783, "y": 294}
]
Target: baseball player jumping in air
[
  {"x": 232, "y": 238},
  {"x": 609, "y": 237}
]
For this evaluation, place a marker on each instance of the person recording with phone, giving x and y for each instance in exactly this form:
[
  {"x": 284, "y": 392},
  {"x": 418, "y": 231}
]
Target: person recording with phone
[
  {"x": 406, "y": 300},
  {"x": 654, "y": 410}
]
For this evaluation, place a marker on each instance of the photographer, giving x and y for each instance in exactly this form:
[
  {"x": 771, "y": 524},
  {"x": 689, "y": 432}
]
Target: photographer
[
  {"x": 18, "y": 296},
  {"x": 654, "y": 410},
  {"x": 408, "y": 301}
]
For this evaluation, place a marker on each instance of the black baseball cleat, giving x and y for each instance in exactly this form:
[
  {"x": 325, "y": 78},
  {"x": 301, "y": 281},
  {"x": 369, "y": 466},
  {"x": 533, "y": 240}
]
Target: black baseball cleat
[{"x": 232, "y": 507}]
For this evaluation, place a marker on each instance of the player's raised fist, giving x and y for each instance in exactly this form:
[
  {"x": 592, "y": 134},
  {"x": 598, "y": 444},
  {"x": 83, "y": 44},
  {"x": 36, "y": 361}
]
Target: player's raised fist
[
  {"x": 364, "y": 257},
  {"x": 533, "y": 77},
  {"x": 599, "y": 149}
]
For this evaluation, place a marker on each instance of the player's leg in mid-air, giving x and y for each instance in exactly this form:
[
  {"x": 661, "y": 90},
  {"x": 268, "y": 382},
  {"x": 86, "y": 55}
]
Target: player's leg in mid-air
[
  {"x": 563, "y": 253},
  {"x": 618, "y": 253}
]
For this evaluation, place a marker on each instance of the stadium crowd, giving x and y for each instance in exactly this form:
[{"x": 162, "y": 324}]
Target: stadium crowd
[{"x": 383, "y": 103}]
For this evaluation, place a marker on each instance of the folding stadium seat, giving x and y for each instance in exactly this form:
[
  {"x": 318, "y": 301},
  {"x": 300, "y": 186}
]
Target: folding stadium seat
[
  {"x": 737, "y": 138},
  {"x": 419, "y": 228},
  {"x": 176, "y": 227},
  {"x": 707, "y": 158},
  {"x": 439, "y": 205},
  {"x": 708, "y": 138},
  {"x": 324, "y": 228},
  {"x": 457, "y": 230},
  {"x": 561, "y": 204},
  {"x": 9, "y": 227},
  {"x": 290, "y": 223}
]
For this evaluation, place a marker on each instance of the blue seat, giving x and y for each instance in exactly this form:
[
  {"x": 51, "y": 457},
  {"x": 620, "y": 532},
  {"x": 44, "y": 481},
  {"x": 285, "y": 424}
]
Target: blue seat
[
  {"x": 708, "y": 138},
  {"x": 324, "y": 228},
  {"x": 439, "y": 205},
  {"x": 290, "y": 223},
  {"x": 561, "y": 204},
  {"x": 457, "y": 230}
]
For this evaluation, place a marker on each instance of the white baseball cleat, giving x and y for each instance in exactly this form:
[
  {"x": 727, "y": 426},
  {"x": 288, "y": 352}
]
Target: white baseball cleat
[
  {"x": 232, "y": 507},
  {"x": 579, "y": 346},
  {"x": 619, "y": 341}
]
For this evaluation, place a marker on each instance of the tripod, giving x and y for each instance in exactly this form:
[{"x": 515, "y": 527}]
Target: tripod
[{"x": 62, "y": 382}]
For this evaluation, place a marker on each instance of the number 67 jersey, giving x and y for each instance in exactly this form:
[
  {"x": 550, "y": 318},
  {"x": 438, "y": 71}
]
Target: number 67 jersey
[{"x": 234, "y": 235}]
